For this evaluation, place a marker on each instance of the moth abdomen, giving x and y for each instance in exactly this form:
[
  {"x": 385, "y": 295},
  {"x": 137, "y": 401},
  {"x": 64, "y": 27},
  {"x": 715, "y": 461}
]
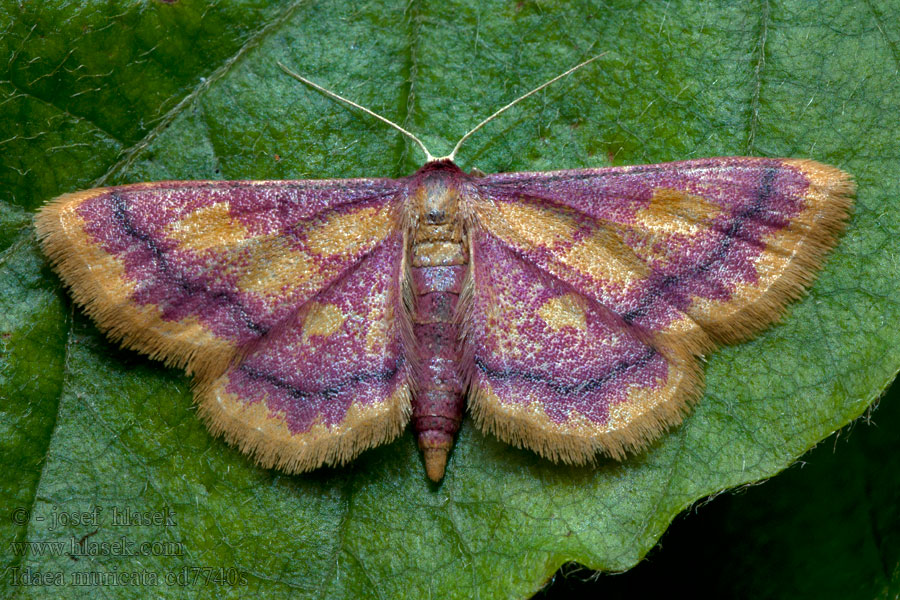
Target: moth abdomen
[{"x": 438, "y": 258}]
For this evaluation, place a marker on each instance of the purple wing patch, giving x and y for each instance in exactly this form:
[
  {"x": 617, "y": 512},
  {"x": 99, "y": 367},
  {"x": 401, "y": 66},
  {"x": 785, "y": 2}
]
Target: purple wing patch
[{"x": 192, "y": 271}]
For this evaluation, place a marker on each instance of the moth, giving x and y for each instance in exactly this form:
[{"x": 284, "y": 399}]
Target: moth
[{"x": 568, "y": 310}]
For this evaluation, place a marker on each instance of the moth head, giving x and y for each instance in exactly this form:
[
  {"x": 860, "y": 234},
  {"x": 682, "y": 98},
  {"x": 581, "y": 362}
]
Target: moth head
[
  {"x": 437, "y": 200},
  {"x": 434, "y": 193}
]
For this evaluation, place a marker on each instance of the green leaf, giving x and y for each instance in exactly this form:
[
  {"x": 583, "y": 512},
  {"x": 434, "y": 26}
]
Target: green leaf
[
  {"x": 100, "y": 93},
  {"x": 828, "y": 527}
]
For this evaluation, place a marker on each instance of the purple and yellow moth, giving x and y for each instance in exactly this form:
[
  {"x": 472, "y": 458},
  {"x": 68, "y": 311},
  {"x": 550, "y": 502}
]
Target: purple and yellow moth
[{"x": 569, "y": 310}]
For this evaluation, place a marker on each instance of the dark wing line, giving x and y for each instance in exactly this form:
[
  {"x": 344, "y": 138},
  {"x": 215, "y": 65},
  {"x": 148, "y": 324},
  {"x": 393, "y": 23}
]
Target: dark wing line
[
  {"x": 297, "y": 392},
  {"x": 520, "y": 177},
  {"x": 762, "y": 196},
  {"x": 120, "y": 214},
  {"x": 584, "y": 386}
]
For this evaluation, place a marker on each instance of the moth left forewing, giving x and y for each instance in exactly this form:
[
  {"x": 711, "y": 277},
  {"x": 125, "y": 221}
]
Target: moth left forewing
[{"x": 188, "y": 272}]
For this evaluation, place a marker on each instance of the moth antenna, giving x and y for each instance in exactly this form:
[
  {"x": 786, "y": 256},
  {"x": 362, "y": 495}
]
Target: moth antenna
[
  {"x": 516, "y": 101},
  {"x": 429, "y": 157}
]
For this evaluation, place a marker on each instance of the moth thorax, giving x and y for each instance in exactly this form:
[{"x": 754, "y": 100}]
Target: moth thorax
[{"x": 437, "y": 235}]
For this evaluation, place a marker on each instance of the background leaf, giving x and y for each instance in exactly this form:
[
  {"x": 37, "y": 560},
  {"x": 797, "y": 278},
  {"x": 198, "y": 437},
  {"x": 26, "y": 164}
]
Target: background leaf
[
  {"x": 100, "y": 93},
  {"x": 829, "y": 527}
]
